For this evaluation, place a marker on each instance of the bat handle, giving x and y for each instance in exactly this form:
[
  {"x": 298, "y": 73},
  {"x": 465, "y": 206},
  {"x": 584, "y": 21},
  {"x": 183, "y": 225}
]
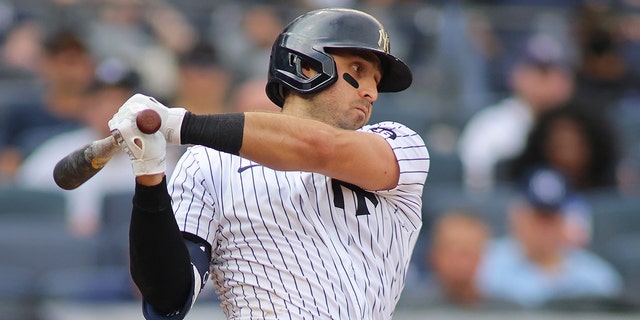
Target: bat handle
[{"x": 84, "y": 163}]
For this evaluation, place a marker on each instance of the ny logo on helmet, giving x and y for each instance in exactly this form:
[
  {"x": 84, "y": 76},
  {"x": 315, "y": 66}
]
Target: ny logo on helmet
[{"x": 383, "y": 41}]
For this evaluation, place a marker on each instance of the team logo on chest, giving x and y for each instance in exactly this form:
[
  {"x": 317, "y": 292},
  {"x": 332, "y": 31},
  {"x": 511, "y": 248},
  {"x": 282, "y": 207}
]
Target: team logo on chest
[{"x": 361, "y": 196}]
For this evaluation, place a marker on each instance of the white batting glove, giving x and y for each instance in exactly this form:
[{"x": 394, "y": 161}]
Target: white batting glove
[
  {"x": 146, "y": 151},
  {"x": 171, "y": 117}
]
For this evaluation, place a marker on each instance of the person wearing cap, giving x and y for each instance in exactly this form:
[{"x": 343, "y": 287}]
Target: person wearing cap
[
  {"x": 113, "y": 83},
  {"x": 540, "y": 80},
  {"x": 534, "y": 264},
  {"x": 203, "y": 81},
  {"x": 63, "y": 75}
]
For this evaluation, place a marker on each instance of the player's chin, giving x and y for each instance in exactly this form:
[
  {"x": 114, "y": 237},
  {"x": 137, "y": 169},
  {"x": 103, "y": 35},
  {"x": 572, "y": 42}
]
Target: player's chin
[
  {"x": 355, "y": 123},
  {"x": 360, "y": 118},
  {"x": 352, "y": 120}
]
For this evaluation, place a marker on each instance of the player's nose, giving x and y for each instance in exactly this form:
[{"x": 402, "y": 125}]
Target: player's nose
[{"x": 368, "y": 90}]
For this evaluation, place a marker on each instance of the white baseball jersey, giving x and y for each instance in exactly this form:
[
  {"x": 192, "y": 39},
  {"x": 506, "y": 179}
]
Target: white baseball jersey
[{"x": 301, "y": 245}]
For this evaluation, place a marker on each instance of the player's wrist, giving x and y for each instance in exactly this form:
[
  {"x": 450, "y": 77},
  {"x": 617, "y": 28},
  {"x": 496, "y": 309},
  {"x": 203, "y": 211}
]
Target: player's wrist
[
  {"x": 150, "y": 180},
  {"x": 151, "y": 193},
  {"x": 223, "y": 132},
  {"x": 145, "y": 167},
  {"x": 172, "y": 125}
]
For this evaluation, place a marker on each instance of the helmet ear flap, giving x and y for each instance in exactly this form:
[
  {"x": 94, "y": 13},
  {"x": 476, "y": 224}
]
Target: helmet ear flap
[{"x": 286, "y": 71}]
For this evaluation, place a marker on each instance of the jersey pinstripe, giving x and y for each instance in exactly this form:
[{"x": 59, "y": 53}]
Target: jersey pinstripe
[{"x": 300, "y": 245}]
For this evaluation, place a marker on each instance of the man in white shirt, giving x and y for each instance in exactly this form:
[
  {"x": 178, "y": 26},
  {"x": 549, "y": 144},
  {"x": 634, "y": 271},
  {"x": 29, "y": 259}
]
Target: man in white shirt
[{"x": 540, "y": 81}]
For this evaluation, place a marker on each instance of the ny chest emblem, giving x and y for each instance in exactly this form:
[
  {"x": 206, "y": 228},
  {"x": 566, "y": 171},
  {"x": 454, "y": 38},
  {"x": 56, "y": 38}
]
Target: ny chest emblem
[{"x": 361, "y": 196}]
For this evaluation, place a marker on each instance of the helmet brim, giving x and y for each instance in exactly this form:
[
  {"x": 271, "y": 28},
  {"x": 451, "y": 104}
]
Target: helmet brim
[{"x": 396, "y": 75}]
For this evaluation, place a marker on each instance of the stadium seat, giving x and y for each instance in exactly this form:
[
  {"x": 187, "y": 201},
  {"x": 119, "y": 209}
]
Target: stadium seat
[{"x": 35, "y": 240}]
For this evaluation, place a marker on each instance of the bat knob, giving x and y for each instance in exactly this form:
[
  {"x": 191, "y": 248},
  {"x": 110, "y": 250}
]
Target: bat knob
[{"x": 148, "y": 121}]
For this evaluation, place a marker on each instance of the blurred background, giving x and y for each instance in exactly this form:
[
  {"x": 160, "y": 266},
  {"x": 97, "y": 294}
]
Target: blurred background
[{"x": 530, "y": 110}]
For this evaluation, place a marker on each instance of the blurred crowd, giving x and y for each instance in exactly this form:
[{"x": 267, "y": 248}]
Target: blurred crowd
[{"x": 539, "y": 97}]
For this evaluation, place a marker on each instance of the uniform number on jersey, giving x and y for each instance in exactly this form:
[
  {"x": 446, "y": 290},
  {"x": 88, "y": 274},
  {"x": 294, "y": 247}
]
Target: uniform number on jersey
[{"x": 361, "y": 195}]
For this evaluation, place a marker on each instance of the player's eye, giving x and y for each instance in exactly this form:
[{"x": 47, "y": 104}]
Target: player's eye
[{"x": 356, "y": 67}]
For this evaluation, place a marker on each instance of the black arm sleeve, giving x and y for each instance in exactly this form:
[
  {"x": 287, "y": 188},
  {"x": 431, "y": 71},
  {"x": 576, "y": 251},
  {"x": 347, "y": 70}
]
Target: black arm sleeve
[
  {"x": 222, "y": 132},
  {"x": 160, "y": 263}
]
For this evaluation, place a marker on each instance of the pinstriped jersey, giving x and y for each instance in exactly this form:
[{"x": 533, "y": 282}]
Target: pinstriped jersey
[{"x": 301, "y": 245}]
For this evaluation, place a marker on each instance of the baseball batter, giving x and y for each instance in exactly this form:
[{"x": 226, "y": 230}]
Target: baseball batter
[{"x": 305, "y": 214}]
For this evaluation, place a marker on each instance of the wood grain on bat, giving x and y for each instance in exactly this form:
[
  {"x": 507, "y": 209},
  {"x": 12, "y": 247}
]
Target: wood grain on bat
[{"x": 84, "y": 163}]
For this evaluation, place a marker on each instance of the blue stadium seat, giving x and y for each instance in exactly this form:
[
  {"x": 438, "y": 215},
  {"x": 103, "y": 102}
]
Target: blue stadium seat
[
  {"x": 34, "y": 237},
  {"x": 616, "y": 235},
  {"x": 114, "y": 228}
]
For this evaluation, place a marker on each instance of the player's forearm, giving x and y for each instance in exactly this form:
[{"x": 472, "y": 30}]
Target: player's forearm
[
  {"x": 160, "y": 263},
  {"x": 286, "y": 142},
  {"x": 275, "y": 140}
]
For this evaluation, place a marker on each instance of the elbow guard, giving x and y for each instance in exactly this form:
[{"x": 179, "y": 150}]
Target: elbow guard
[{"x": 200, "y": 254}]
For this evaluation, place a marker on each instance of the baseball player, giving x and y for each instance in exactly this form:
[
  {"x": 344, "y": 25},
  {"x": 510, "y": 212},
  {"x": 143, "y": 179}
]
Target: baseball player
[{"x": 305, "y": 214}]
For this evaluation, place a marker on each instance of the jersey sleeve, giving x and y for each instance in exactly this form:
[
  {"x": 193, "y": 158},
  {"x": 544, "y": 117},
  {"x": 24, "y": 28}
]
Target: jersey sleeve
[{"x": 413, "y": 159}]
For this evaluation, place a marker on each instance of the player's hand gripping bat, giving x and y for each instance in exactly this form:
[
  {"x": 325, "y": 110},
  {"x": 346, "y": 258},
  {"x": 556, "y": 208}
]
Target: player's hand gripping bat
[{"x": 83, "y": 163}]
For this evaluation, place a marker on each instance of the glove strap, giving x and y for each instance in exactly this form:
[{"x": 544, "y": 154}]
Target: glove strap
[
  {"x": 148, "y": 166},
  {"x": 173, "y": 125}
]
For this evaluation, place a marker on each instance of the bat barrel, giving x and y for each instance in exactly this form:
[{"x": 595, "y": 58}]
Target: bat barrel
[{"x": 82, "y": 164}]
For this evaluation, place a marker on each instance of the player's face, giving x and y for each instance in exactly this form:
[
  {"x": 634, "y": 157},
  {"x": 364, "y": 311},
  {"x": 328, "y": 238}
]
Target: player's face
[{"x": 343, "y": 105}]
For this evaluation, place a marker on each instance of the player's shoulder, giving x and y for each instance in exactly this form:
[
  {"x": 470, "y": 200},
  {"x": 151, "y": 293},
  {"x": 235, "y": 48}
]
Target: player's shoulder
[
  {"x": 389, "y": 129},
  {"x": 396, "y": 133}
]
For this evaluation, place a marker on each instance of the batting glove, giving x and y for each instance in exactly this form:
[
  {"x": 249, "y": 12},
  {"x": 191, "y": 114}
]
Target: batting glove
[
  {"x": 146, "y": 151},
  {"x": 171, "y": 117}
]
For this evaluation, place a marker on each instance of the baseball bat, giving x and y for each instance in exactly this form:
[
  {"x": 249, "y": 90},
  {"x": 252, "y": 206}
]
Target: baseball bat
[{"x": 80, "y": 165}]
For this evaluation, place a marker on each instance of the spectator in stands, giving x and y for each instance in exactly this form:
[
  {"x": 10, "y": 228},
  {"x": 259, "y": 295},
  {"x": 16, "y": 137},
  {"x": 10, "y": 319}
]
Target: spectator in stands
[
  {"x": 244, "y": 33},
  {"x": 21, "y": 51},
  {"x": 203, "y": 82},
  {"x": 113, "y": 85},
  {"x": 535, "y": 264},
  {"x": 66, "y": 72},
  {"x": 604, "y": 77},
  {"x": 580, "y": 146},
  {"x": 575, "y": 142},
  {"x": 249, "y": 95},
  {"x": 456, "y": 248},
  {"x": 540, "y": 81},
  {"x": 147, "y": 35}
]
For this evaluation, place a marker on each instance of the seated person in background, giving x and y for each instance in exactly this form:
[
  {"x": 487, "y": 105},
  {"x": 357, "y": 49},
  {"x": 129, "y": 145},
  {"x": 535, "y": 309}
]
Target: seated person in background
[
  {"x": 63, "y": 76},
  {"x": 249, "y": 95},
  {"x": 580, "y": 144},
  {"x": 540, "y": 81},
  {"x": 457, "y": 246},
  {"x": 113, "y": 84},
  {"x": 536, "y": 264},
  {"x": 203, "y": 81}
]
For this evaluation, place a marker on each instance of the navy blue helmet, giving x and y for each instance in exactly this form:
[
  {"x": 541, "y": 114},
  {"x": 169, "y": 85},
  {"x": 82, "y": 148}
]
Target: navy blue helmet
[{"x": 307, "y": 38}]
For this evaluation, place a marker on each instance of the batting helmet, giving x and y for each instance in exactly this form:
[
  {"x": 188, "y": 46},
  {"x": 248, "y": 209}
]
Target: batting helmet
[{"x": 309, "y": 36}]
